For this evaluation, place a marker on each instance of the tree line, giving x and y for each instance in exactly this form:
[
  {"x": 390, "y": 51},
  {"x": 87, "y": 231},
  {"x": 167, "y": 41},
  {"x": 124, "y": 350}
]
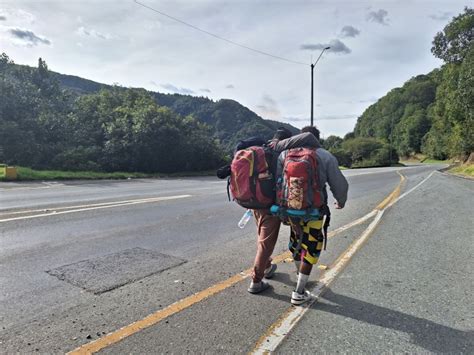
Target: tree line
[
  {"x": 431, "y": 114},
  {"x": 92, "y": 126},
  {"x": 116, "y": 129}
]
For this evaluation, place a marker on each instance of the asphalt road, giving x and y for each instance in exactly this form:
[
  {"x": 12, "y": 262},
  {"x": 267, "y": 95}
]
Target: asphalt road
[{"x": 80, "y": 260}]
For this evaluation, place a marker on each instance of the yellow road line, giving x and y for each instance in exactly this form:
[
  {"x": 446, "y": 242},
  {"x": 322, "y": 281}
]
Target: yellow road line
[
  {"x": 154, "y": 318},
  {"x": 394, "y": 195},
  {"x": 277, "y": 332},
  {"x": 158, "y": 316},
  {"x": 176, "y": 307}
]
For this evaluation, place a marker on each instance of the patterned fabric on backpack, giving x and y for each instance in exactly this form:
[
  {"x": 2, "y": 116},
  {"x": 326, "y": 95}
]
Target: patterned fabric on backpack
[{"x": 298, "y": 182}]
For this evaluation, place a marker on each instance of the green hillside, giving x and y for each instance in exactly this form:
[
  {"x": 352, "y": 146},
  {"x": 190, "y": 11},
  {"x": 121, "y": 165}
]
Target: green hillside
[
  {"x": 228, "y": 119},
  {"x": 44, "y": 126},
  {"x": 431, "y": 114},
  {"x": 53, "y": 121}
]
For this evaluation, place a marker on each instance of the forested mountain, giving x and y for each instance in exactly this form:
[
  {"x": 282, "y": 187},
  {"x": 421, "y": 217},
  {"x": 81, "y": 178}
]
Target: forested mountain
[
  {"x": 114, "y": 129},
  {"x": 50, "y": 120},
  {"x": 434, "y": 113},
  {"x": 228, "y": 119}
]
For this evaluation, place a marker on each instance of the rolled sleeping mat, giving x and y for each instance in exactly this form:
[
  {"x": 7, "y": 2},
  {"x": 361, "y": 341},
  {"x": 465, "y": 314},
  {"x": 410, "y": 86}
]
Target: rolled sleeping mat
[{"x": 306, "y": 215}]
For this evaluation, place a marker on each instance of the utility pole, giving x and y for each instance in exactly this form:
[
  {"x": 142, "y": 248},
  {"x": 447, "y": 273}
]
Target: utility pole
[
  {"x": 312, "y": 82},
  {"x": 390, "y": 145}
]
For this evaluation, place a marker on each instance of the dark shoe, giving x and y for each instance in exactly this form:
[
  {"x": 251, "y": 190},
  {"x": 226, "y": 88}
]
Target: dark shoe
[
  {"x": 270, "y": 271},
  {"x": 257, "y": 287}
]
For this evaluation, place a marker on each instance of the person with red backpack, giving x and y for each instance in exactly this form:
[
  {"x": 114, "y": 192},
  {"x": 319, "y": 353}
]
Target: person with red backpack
[
  {"x": 302, "y": 175},
  {"x": 252, "y": 184},
  {"x": 268, "y": 228}
]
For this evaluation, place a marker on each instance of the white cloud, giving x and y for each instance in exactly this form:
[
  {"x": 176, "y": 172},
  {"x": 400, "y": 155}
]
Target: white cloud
[
  {"x": 268, "y": 108},
  {"x": 337, "y": 117},
  {"x": 93, "y": 33},
  {"x": 154, "y": 25},
  {"x": 323, "y": 118},
  {"x": 441, "y": 16}
]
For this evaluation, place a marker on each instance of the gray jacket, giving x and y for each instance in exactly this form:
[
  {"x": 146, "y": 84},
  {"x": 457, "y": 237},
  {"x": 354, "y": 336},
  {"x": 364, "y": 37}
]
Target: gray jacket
[
  {"x": 300, "y": 140},
  {"x": 328, "y": 167},
  {"x": 328, "y": 171}
]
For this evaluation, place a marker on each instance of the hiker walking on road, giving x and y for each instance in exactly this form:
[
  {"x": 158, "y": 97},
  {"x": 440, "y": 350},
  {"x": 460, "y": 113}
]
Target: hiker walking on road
[
  {"x": 268, "y": 225},
  {"x": 252, "y": 182},
  {"x": 268, "y": 228},
  {"x": 309, "y": 235}
]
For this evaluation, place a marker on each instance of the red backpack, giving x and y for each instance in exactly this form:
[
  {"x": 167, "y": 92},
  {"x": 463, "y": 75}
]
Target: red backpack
[
  {"x": 298, "y": 186},
  {"x": 251, "y": 180}
]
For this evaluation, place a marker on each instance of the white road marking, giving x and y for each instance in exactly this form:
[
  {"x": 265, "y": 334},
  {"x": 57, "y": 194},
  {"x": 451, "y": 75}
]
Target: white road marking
[
  {"x": 51, "y": 209},
  {"x": 411, "y": 190},
  {"x": 7, "y": 189},
  {"x": 96, "y": 207},
  {"x": 276, "y": 336},
  {"x": 52, "y": 183},
  {"x": 349, "y": 173},
  {"x": 278, "y": 332},
  {"x": 355, "y": 222}
]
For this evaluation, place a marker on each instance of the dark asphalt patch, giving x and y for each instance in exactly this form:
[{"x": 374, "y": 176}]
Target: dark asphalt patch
[{"x": 111, "y": 271}]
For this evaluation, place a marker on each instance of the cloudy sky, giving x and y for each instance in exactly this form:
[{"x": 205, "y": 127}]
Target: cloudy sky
[{"x": 375, "y": 46}]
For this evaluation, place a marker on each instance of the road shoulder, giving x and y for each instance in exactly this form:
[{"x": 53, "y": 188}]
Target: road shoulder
[{"x": 401, "y": 293}]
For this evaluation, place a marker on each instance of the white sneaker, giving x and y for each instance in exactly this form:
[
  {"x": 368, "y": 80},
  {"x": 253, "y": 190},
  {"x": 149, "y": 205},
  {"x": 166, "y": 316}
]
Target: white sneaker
[
  {"x": 300, "y": 298},
  {"x": 258, "y": 287},
  {"x": 270, "y": 271}
]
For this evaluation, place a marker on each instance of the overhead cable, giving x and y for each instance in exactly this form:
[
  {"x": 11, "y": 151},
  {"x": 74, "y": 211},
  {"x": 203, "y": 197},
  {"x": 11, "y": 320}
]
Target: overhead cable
[{"x": 219, "y": 37}]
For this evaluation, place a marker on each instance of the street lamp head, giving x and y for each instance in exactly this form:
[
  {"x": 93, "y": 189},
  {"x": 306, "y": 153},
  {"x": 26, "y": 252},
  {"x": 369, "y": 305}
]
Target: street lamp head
[{"x": 327, "y": 48}]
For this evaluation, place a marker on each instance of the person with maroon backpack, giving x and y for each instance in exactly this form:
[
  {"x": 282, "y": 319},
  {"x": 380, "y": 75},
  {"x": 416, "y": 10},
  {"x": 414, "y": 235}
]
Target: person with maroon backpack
[
  {"x": 302, "y": 175},
  {"x": 252, "y": 183}
]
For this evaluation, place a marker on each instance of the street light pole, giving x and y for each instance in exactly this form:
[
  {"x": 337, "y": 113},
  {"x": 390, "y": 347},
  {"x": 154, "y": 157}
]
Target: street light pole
[
  {"x": 312, "y": 91},
  {"x": 312, "y": 82}
]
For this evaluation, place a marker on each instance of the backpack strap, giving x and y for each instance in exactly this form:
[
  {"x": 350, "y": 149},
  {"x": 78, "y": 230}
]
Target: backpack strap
[
  {"x": 323, "y": 232},
  {"x": 228, "y": 187},
  {"x": 253, "y": 185}
]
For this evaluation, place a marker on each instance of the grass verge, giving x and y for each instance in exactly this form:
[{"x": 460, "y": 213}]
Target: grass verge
[
  {"x": 27, "y": 174},
  {"x": 420, "y": 158},
  {"x": 466, "y": 170},
  {"x": 434, "y": 161}
]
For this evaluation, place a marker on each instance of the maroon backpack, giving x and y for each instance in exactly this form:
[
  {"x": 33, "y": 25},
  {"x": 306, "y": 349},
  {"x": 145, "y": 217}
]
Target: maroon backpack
[
  {"x": 252, "y": 182},
  {"x": 298, "y": 186}
]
